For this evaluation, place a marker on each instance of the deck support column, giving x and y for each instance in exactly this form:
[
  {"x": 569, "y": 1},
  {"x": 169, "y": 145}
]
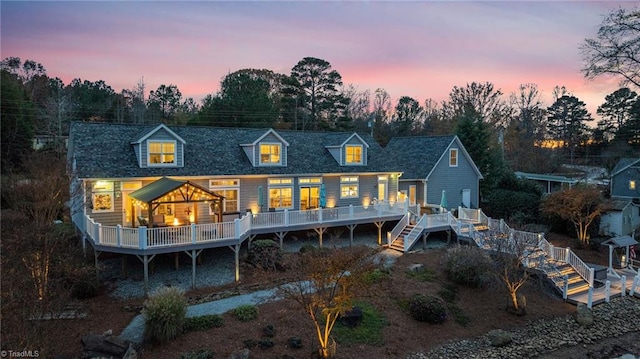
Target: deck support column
[
  {"x": 236, "y": 250},
  {"x": 194, "y": 254},
  {"x": 449, "y": 237},
  {"x": 281, "y": 236},
  {"x": 145, "y": 263},
  {"x": 424, "y": 239},
  {"x": 96, "y": 254},
  {"x": 320, "y": 231},
  {"x": 351, "y": 228},
  {"x": 250, "y": 239},
  {"x": 83, "y": 239},
  {"x": 379, "y": 224}
]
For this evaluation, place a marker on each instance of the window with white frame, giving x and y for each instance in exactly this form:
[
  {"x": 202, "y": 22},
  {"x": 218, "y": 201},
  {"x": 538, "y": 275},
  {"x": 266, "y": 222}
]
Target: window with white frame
[
  {"x": 353, "y": 154},
  {"x": 349, "y": 187},
  {"x": 102, "y": 197},
  {"x": 161, "y": 153},
  {"x": 270, "y": 154},
  {"x": 632, "y": 185},
  {"x": 453, "y": 157},
  {"x": 280, "y": 193},
  {"x": 229, "y": 189}
]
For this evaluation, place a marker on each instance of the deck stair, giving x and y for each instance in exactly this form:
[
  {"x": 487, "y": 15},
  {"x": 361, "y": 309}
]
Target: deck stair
[{"x": 398, "y": 244}]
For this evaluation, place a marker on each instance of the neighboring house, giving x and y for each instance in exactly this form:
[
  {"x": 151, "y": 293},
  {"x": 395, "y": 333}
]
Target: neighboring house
[
  {"x": 41, "y": 141},
  {"x": 548, "y": 183},
  {"x": 430, "y": 165},
  {"x": 624, "y": 218}
]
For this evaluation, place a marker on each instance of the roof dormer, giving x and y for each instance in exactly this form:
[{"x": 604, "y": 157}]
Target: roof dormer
[
  {"x": 350, "y": 152},
  {"x": 160, "y": 147},
  {"x": 269, "y": 149}
]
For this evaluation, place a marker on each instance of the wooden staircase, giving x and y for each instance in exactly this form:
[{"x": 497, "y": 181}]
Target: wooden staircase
[
  {"x": 398, "y": 244},
  {"x": 577, "y": 284}
]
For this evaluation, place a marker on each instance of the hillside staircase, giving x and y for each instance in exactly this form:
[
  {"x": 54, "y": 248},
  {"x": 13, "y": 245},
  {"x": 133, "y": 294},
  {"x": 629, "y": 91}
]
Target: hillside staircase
[{"x": 567, "y": 273}]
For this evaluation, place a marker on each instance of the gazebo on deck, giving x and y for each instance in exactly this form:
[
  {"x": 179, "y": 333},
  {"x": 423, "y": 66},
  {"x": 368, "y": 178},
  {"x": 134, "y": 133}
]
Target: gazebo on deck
[
  {"x": 171, "y": 191},
  {"x": 628, "y": 244}
]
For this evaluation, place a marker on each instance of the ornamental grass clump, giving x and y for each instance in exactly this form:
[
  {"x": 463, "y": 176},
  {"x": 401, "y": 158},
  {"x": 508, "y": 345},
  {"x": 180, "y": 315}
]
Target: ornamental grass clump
[
  {"x": 427, "y": 308},
  {"x": 164, "y": 313},
  {"x": 246, "y": 312}
]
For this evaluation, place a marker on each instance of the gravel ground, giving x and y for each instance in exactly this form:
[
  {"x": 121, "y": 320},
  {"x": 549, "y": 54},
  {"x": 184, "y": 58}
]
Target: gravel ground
[{"x": 217, "y": 265}]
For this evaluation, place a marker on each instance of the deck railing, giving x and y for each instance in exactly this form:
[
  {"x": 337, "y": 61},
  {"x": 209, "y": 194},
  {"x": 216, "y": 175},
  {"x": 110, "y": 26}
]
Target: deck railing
[
  {"x": 147, "y": 238},
  {"x": 400, "y": 226}
]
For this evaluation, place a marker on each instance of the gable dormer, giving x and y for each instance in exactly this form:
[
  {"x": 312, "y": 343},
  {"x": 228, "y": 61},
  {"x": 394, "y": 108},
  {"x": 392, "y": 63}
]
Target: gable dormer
[
  {"x": 268, "y": 150},
  {"x": 350, "y": 152},
  {"x": 160, "y": 147}
]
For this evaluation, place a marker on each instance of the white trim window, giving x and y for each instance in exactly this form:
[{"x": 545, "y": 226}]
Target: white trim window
[
  {"x": 353, "y": 154},
  {"x": 102, "y": 199},
  {"x": 230, "y": 190},
  {"x": 280, "y": 193},
  {"x": 161, "y": 153},
  {"x": 632, "y": 185},
  {"x": 453, "y": 157},
  {"x": 270, "y": 154},
  {"x": 349, "y": 187}
]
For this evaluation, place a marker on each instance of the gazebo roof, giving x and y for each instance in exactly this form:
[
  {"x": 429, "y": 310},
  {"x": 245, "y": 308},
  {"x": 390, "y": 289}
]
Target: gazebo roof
[
  {"x": 165, "y": 185},
  {"x": 620, "y": 241}
]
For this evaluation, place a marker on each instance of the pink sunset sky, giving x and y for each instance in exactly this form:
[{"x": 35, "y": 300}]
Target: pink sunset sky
[{"x": 420, "y": 49}]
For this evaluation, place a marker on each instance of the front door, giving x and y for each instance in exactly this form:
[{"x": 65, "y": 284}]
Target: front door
[
  {"x": 466, "y": 198},
  {"x": 412, "y": 194},
  {"x": 382, "y": 188},
  {"x": 129, "y": 211},
  {"x": 309, "y": 197}
]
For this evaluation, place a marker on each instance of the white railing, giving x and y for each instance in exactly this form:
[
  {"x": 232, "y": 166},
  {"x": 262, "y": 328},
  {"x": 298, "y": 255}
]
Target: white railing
[
  {"x": 413, "y": 235},
  {"x": 146, "y": 238},
  {"x": 395, "y": 232},
  {"x": 580, "y": 267}
]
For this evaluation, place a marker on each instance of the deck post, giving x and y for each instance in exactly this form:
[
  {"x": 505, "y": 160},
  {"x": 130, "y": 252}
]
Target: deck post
[
  {"x": 320, "y": 231},
  {"x": 591, "y": 276},
  {"x": 590, "y": 298},
  {"x": 565, "y": 290},
  {"x": 193, "y": 233},
  {"x": 142, "y": 237},
  {"x": 99, "y": 232},
  {"x": 379, "y": 224},
  {"x": 237, "y": 261},
  {"x": 351, "y": 228},
  {"x": 567, "y": 251},
  {"x": 607, "y": 291},
  {"x": 350, "y": 211},
  {"x": 96, "y": 254},
  {"x": 320, "y": 215},
  {"x": 236, "y": 226},
  {"x": 623, "y": 285},
  {"x": 280, "y": 236},
  {"x": 193, "y": 268},
  {"x": 286, "y": 218},
  {"x": 119, "y": 235},
  {"x": 83, "y": 239},
  {"x": 145, "y": 263}
]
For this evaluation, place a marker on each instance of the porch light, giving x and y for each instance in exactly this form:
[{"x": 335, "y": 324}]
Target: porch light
[
  {"x": 176, "y": 222},
  {"x": 366, "y": 201}
]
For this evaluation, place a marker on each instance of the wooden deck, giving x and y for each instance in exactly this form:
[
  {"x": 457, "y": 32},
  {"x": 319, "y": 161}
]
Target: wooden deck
[{"x": 149, "y": 241}]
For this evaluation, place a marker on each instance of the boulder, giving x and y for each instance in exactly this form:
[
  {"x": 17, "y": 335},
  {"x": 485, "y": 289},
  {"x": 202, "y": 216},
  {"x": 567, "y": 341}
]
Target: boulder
[
  {"x": 416, "y": 267},
  {"x": 499, "y": 338},
  {"x": 240, "y": 354},
  {"x": 106, "y": 345},
  {"x": 584, "y": 315},
  {"x": 269, "y": 331}
]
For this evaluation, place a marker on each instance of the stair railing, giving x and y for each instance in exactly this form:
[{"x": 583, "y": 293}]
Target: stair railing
[
  {"x": 395, "y": 232},
  {"x": 412, "y": 237}
]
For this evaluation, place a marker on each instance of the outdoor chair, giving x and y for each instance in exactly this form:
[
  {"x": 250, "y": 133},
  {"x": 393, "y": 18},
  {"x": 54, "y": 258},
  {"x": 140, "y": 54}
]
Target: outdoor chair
[{"x": 143, "y": 221}]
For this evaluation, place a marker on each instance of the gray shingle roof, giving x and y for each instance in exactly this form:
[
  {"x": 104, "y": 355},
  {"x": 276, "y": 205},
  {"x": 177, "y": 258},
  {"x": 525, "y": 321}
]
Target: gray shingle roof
[
  {"x": 623, "y": 164},
  {"x": 104, "y": 150},
  {"x": 416, "y": 155}
]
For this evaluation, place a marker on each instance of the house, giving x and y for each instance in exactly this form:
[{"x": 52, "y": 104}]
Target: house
[
  {"x": 624, "y": 217},
  {"x": 431, "y": 165},
  {"x": 548, "y": 183},
  {"x": 150, "y": 189}
]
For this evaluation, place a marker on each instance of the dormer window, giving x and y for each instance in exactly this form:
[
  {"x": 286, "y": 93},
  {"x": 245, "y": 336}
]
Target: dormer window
[
  {"x": 353, "y": 155},
  {"x": 270, "y": 154},
  {"x": 162, "y": 153}
]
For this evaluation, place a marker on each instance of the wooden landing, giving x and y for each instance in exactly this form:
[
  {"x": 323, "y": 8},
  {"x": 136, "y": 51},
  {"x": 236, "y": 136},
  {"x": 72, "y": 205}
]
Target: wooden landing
[{"x": 599, "y": 294}]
